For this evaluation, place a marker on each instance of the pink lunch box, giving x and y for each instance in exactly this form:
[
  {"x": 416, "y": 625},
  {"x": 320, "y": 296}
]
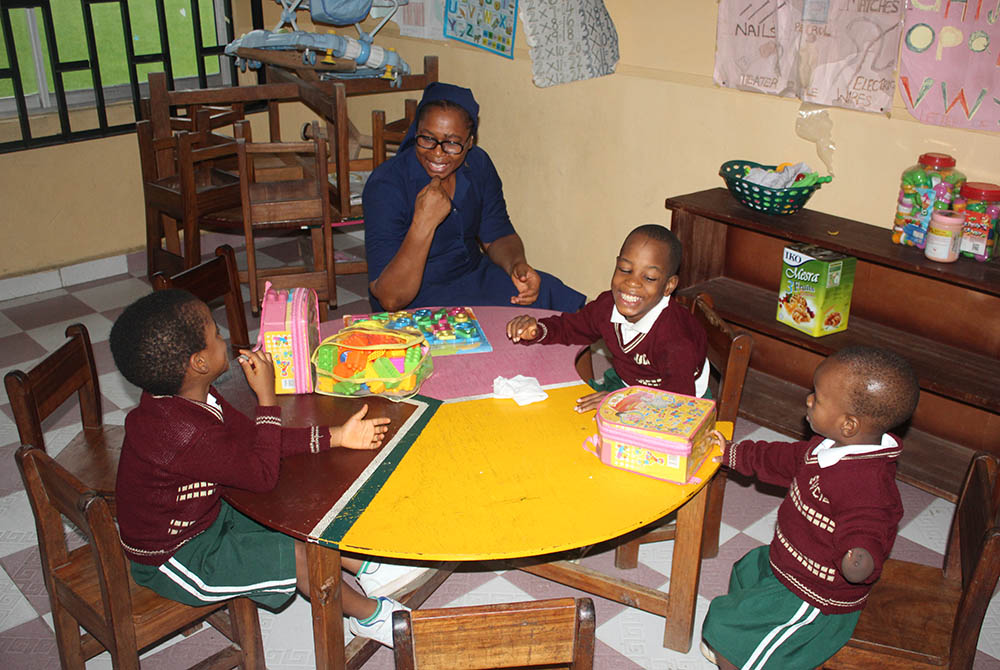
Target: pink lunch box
[{"x": 655, "y": 433}]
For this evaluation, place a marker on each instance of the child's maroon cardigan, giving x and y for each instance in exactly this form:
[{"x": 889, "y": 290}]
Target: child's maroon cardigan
[
  {"x": 827, "y": 511},
  {"x": 177, "y": 455}
]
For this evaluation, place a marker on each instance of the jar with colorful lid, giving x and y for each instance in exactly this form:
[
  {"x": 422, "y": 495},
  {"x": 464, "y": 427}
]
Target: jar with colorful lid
[
  {"x": 980, "y": 202},
  {"x": 930, "y": 185}
]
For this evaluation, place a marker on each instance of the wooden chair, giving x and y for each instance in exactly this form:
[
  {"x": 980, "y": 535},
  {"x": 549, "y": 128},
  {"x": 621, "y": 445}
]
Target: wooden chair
[
  {"x": 920, "y": 616},
  {"x": 288, "y": 204},
  {"x": 91, "y": 586},
  {"x": 184, "y": 180},
  {"x": 93, "y": 454},
  {"x": 213, "y": 279},
  {"x": 550, "y": 633},
  {"x": 729, "y": 357},
  {"x": 390, "y": 133}
]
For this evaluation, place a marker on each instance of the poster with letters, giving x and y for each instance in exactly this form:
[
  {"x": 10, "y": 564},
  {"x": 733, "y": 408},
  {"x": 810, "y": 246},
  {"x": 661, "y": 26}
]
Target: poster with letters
[
  {"x": 487, "y": 24},
  {"x": 829, "y": 52},
  {"x": 949, "y": 71}
]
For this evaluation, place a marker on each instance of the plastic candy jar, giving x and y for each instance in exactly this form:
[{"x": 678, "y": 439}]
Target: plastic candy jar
[
  {"x": 944, "y": 236},
  {"x": 980, "y": 201},
  {"x": 932, "y": 184}
]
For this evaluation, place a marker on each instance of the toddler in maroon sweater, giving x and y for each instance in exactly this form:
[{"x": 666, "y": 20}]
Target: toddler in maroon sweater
[
  {"x": 184, "y": 443},
  {"x": 653, "y": 340},
  {"x": 795, "y": 603}
]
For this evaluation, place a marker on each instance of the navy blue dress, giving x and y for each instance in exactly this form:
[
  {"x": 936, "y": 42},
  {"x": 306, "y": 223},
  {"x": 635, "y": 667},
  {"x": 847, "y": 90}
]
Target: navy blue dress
[{"x": 457, "y": 272}]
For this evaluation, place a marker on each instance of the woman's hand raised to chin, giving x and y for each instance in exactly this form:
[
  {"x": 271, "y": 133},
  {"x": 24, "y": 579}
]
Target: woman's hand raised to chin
[{"x": 433, "y": 204}]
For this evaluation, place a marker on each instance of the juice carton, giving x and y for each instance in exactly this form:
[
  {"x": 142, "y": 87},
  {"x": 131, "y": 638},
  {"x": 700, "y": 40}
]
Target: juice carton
[{"x": 815, "y": 291}]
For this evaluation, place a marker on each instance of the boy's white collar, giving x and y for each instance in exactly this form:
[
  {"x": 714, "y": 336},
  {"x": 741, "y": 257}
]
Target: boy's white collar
[
  {"x": 826, "y": 454},
  {"x": 643, "y": 325}
]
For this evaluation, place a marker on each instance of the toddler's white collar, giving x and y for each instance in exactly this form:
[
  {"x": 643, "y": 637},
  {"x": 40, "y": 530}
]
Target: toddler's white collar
[
  {"x": 826, "y": 454},
  {"x": 643, "y": 325}
]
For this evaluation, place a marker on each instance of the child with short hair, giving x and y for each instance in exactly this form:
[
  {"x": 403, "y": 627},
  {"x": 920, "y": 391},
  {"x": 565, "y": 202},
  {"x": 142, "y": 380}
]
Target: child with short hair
[
  {"x": 184, "y": 443},
  {"x": 795, "y": 603},
  {"x": 653, "y": 340}
]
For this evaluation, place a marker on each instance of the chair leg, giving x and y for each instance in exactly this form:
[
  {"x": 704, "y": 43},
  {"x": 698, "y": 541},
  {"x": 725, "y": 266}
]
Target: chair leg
[
  {"x": 67, "y": 632},
  {"x": 627, "y": 555},
  {"x": 252, "y": 273},
  {"x": 713, "y": 516},
  {"x": 192, "y": 241},
  {"x": 246, "y": 630}
]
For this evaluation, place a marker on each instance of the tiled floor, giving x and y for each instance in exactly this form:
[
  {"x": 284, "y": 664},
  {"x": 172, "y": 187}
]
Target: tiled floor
[{"x": 627, "y": 639}]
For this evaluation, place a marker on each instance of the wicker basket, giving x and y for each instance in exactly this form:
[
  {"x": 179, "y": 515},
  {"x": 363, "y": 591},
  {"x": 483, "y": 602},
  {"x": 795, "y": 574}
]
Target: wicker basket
[{"x": 763, "y": 198}]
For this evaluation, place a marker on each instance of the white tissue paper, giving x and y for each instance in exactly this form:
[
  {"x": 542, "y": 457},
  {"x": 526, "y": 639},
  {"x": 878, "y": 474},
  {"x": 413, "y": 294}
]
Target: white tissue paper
[{"x": 524, "y": 390}]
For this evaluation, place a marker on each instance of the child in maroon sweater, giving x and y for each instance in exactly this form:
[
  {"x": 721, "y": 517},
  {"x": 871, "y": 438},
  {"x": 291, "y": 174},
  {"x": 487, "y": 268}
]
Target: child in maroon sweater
[
  {"x": 653, "y": 340},
  {"x": 795, "y": 603},
  {"x": 184, "y": 443}
]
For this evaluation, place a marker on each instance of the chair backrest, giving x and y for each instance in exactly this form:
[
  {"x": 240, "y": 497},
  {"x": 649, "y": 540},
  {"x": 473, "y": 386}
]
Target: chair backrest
[
  {"x": 35, "y": 394},
  {"x": 287, "y": 203},
  {"x": 973, "y": 554},
  {"x": 54, "y": 491},
  {"x": 213, "y": 279},
  {"x": 384, "y": 133},
  {"x": 182, "y": 153},
  {"x": 728, "y": 352},
  {"x": 557, "y": 632}
]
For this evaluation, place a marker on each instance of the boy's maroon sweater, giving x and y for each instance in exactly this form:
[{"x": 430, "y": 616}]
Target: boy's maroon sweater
[
  {"x": 177, "y": 455},
  {"x": 827, "y": 511},
  {"x": 668, "y": 357}
]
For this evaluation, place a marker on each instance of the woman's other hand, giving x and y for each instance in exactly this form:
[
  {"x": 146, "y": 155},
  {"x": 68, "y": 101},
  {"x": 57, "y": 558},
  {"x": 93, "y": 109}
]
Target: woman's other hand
[{"x": 527, "y": 282}]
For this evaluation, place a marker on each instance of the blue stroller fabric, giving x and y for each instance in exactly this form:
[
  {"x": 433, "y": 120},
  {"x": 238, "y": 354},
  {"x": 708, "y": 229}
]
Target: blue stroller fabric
[{"x": 340, "y": 12}]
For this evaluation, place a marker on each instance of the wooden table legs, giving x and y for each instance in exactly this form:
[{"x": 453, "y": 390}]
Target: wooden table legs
[
  {"x": 678, "y": 605},
  {"x": 325, "y": 584}
]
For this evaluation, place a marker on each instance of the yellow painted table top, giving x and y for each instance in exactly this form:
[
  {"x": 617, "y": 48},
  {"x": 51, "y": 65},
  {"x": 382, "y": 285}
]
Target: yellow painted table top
[{"x": 488, "y": 479}]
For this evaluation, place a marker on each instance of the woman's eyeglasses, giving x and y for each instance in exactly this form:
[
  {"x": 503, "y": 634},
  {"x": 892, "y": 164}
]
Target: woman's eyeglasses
[{"x": 430, "y": 144}]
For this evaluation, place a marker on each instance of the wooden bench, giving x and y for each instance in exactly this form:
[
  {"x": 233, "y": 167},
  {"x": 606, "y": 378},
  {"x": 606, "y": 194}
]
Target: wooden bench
[{"x": 943, "y": 317}]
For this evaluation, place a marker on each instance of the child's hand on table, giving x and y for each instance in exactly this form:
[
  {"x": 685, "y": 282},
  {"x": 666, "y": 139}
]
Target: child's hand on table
[
  {"x": 259, "y": 370},
  {"x": 522, "y": 327},
  {"x": 359, "y": 432},
  {"x": 590, "y": 402},
  {"x": 719, "y": 440}
]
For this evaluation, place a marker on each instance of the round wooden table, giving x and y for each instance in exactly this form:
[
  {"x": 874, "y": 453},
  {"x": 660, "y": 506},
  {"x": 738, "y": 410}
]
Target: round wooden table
[{"x": 472, "y": 479}]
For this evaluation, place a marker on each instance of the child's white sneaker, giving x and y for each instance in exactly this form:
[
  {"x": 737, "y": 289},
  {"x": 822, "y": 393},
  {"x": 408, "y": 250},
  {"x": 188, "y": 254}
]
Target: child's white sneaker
[
  {"x": 378, "y": 626},
  {"x": 381, "y": 579},
  {"x": 706, "y": 651}
]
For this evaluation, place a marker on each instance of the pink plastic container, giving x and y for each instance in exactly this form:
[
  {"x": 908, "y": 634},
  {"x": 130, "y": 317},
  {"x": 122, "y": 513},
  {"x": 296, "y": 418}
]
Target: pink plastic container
[
  {"x": 655, "y": 433},
  {"x": 289, "y": 331}
]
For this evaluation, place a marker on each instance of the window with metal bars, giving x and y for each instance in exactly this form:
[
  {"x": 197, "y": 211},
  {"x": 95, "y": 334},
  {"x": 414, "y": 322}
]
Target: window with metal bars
[{"x": 73, "y": 70}]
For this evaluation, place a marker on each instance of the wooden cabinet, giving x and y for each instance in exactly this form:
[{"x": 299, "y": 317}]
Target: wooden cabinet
[{"x": 943, "y": 317}]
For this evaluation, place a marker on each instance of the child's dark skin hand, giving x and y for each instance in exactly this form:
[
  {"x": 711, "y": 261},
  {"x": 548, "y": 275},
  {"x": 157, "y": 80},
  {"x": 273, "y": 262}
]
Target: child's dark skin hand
[
  {"x": 857, "y": 565},
  {"x": 522, "y": 327},
  {"x": 360, "y": 433},
  {"x": 719, "y": 439},
  {"x": 589, "y": 402},
  {"x": 259, "y": 370}
]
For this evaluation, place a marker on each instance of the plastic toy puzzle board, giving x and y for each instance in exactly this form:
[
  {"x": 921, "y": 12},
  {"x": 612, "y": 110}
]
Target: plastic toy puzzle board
[
  {"x": 448, "y": 330},
  {"x": 489, "y": 25}
]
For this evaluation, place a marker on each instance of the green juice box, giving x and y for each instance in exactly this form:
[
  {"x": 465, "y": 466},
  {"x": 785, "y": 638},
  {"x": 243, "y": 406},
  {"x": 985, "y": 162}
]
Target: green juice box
[{"x": 815, "y": 291}]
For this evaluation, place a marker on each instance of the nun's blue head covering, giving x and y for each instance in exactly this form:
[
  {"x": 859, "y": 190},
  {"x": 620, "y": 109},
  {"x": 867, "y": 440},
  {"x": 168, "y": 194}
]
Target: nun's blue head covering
[{"x": 440, "y": 91}]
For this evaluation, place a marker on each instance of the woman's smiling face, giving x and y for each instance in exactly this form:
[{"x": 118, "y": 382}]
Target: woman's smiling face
[{"x": 448, "y": 124}]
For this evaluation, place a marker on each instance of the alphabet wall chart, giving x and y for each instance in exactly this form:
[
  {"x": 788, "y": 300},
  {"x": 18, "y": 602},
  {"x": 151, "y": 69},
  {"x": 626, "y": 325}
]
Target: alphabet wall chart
[
  {"x": 487, "y": 24},
  {"x": 829, "y": 52},
  {"x": 949, "y": 73}
]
